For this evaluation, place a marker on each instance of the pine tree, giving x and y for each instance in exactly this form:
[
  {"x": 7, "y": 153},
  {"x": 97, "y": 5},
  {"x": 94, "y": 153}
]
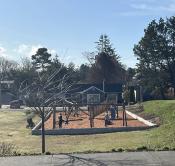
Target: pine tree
[
  {"x": 104, "y": 45},
  {"x": 41, "y": 60},
  {"x": 106, "y": 66}
]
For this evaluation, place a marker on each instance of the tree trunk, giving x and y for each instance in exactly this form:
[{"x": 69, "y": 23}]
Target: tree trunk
[{"x": 43, "y": 131}]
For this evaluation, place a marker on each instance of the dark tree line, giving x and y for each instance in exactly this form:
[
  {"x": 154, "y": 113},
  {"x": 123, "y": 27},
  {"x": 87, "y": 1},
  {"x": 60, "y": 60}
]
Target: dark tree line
[
  {"x": 156, "y": 55},
  {"x": 155, "y": 69},
  {"x": 104, "y": 65}
]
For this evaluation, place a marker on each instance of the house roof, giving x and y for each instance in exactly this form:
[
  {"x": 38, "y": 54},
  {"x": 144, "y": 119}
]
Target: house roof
[
  {"x": 91, "y": 88},
  {"x": 107, "y": 87}
]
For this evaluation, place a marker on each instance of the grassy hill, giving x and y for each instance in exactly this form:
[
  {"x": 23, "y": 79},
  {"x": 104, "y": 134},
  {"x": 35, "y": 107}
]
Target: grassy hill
[
  {"x": 13, "y": 130},
  {"x": 163, "y": 136}
]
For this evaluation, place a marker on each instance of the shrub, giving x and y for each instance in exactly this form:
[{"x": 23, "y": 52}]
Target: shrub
[
  {"x": 7, "y": 149},
  {"x": 120, "y": 150},
  {"x": 47, "y": 153},
  {"x": 142, "y": 148},
  {"x": 166, "y": 148},
  {"x": 113, "y": 150}
]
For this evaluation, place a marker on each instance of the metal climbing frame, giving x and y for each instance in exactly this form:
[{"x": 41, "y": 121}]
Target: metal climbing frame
[{"x": 93, "y": 110}]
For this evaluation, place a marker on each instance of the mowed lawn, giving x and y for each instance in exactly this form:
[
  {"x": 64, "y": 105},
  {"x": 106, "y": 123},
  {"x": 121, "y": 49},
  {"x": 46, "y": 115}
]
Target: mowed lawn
[{"x": 13, "y": 130}]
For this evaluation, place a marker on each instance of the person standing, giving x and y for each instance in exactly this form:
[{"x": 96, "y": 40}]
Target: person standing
[
  {"x": 113, "y": 112},
  {"x": 60, "y": 120},
  {"x": 106, "y": 119}
]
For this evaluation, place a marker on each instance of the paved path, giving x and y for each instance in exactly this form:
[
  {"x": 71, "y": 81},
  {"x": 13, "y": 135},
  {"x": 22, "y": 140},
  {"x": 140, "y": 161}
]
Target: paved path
[{"x": 97, "y": 159}]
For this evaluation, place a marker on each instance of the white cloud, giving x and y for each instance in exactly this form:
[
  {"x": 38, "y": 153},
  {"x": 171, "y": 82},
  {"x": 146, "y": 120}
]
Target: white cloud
[
  {"x": 141, "y": 6},
  {"x": 134, "y": 13},
  {"x": 151, "y": 7},
  {"x": 169, "y": 8},
  {"x": 3, "y": 52},
  {"x": 29, "y": 50},
  {"x": 22, "y": 48},
  {"x": 155, "y": 7},
  {"x": 52, "y": 51},
  {"x": 33, "y": 49}
]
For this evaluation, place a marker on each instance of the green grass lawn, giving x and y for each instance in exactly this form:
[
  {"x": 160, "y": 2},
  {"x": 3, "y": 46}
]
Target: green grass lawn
[{"x": 13, "y": 130}]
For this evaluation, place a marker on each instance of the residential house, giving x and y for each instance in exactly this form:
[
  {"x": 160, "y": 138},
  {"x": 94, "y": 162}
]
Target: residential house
[{"x": 95, "y": 93}]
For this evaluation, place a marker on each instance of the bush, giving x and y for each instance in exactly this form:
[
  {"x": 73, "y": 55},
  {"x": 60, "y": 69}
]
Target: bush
[
  {"x": 142, "y": 148},
  {"x": 47, "y": 153},
  {"x": 166, "y": 148},
  {"x": 7, "y": 149},
  {"x": 113, "y": 150},
  {"x": 120, "y": 150}
]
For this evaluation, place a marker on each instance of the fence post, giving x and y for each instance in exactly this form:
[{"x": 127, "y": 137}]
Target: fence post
[
  {"x": 117, "y": 110},
  {"x": 91, "y": 115},
  {"x": 123, "y": 114},
  {"x": 54, "y": 117},
  {"x": 126, "y": 124}
]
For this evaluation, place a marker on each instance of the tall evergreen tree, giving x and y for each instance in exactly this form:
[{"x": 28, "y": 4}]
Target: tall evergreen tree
[
  {"x": 41, "y": 60},
  {"x": 156, "y": 55},
  {"x": 106, "y": 66},
  {"x": 104, "y": 45}
]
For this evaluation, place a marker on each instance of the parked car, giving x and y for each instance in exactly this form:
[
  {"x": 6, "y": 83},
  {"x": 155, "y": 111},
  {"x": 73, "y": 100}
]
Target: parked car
[{"x": 16, "y": 104}]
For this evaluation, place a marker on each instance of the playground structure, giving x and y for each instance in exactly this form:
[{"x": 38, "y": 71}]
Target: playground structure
[
  {"x": 92, "y": 111},
  {"x": 90, "y": 119}
]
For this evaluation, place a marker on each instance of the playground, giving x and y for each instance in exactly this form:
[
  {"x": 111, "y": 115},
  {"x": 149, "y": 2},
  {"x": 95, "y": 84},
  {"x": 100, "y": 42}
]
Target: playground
[
  {"x": 83, "y": 120},
  {"x": 13, "y": 130},
  {"x": 73, "y": 119},
  {"x": 92, "y": 119}
]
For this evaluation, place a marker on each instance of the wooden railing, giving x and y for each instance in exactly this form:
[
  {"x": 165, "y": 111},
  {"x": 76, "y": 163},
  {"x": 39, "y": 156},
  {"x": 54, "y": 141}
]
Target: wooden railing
[{"x": 95, "y": 110}]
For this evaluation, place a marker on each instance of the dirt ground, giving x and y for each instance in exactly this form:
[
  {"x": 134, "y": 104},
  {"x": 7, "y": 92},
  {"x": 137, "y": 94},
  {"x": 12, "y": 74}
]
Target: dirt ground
[{"x": 82, "y": 121}]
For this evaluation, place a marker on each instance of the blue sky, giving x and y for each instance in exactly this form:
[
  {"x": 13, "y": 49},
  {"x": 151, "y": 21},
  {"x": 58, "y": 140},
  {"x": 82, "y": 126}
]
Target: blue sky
[{"x": 70, "y": 27}]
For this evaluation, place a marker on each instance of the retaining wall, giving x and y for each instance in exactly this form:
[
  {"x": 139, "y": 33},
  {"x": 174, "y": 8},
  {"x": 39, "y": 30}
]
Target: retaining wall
[{"x": 89, "y": 130}]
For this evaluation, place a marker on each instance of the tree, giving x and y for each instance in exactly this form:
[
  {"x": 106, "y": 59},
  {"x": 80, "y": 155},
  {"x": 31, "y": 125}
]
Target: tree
[
  {"x": 83, "y": 72},
  {"x": 130, "y": 74},
  {"x": 156, "y": 55},
  {"x": 24, "y": 72},
  {"x": 26, "y": 64},
  {"x": 126, "y": 95},
  {"x": 106, "y": 66},
  {"x": 104, "y": 45},
  {"x": 41, "y": 60},
  {"x": 75, "y": 77},
  {"x": 55, "y": 64},
  {"x": 6, "y": 66},
  {"x": 43, "y": 94}
]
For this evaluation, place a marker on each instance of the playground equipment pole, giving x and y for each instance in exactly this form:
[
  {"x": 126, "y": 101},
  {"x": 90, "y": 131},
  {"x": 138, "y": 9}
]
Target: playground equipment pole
[
  {"x": 91, "y": 115},
  {"x": 43, "y": 130},
  {"x": 126, "y": 124},
  {"x": 117, "y": 111},
  {"x": 54, "y": 117},
  {"x": 124, "y": 116}
]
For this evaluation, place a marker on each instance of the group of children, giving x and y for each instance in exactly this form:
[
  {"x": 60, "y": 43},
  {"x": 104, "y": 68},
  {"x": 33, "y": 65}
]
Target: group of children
[{"x": 110, "y": 114}]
